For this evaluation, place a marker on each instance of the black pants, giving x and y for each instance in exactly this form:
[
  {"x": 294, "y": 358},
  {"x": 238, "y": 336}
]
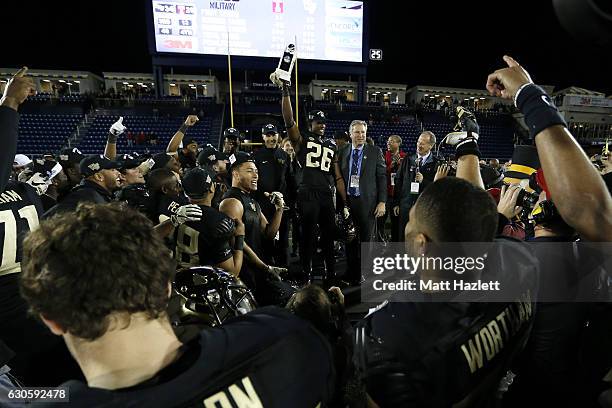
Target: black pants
[
  {"x": 364, "y": 221},
  {"x": 317, "y": 208}
]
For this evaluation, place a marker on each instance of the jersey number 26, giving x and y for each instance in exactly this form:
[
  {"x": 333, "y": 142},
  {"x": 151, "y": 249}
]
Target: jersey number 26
[{"x": 320, "y": 157}]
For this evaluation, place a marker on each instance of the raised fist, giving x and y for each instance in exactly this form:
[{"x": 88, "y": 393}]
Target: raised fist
[
  {"x": 117, "y": 128},
  {"x": 277, "y": 199},
  {"x": 18, "y": 88},
  {"x": 276, "y": 80},
  {"x": 191, "y": 120}
]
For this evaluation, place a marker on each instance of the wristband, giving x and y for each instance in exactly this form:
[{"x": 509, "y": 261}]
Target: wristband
[
  {"x": 540, "y": 112},
  {"x": 467, "y": 146},
  {"x": 183, "y": 128},
  {"x": 239, "y": 243},
  {"x": 112, "y": 139},
  {"x": 285, "y": 90}
]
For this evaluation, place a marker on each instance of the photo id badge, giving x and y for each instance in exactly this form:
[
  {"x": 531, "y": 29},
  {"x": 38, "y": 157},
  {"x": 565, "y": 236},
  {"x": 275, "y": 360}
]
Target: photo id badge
[
  {"x": 393, "y": 178},
  {"x": 414, "y": 187},
  {"x": 354, "y": 181}
]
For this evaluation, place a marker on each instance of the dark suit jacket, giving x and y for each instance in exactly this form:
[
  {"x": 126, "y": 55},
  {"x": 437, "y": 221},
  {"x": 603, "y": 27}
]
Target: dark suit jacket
[
  {"x": 373, "y": 177},
  {"x": 406, "y": 175}
]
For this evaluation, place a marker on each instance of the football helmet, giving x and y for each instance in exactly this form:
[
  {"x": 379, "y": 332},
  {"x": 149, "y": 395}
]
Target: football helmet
[{"x": 208, "y": 296}]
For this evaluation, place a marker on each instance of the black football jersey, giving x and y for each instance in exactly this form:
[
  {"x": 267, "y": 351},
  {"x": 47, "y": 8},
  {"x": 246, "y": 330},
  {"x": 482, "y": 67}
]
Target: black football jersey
[
  {"x": 315, "y": 163},
  {"x": 168, "y": 206},
  {"x": 204, "y": 242},
  {"x": 20, "y": 209},
  {"x": 267, "y": 358}
]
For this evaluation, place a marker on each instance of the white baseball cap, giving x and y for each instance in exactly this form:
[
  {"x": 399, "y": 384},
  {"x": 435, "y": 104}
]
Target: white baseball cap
[{"x": 21, "y": 160}]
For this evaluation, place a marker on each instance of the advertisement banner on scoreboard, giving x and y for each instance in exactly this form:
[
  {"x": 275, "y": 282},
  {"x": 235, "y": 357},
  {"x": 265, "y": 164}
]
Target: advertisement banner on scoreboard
[{"x": 325, "y": 29}]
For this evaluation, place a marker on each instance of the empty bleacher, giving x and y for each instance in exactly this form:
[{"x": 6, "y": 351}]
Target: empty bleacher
[
  {"x": 41, "y": 133},
  {"x": 162, "y": 127}
]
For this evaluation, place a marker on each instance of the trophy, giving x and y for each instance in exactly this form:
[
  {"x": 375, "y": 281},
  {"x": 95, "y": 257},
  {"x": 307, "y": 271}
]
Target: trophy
[{"x": 285, "y": 65}]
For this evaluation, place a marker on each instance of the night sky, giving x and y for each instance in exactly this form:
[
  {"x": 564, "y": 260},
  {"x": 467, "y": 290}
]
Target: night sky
[{"x": 453, "y": 44}]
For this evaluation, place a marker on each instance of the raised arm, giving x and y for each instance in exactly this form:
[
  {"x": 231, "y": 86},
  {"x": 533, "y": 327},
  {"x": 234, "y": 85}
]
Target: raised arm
[
  {"x": 176, "y": 140},
  {"x": 270, "y": 229},
  {"x": 117, "y": 128},
  {"x": 18, "y": 88},
  {"x": 292, "y": 130},
  {"x": 576, "y": 188}
]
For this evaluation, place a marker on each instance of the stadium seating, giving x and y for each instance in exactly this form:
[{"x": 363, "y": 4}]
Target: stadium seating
[
  {"x": 162, "y": 127},
  {"x": 496, "y": 132},
  {"x": 41, "y": 133}
]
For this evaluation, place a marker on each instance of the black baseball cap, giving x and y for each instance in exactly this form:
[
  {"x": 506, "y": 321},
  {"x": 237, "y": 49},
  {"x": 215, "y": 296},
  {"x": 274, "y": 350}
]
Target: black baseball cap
[
  {"x": 236, "y": 159},
  {"x": 70, "y": 155},
  {"x": 317, "y": 116},
  {"x": 231, "y": 133},
  {"x": 269, "y": 128},
  {"x": 189, "y": 141},
  {"x": 197, "y": 181},
  {"x": 127, "y": 161},
  {"x": 92, "y": 164},
  {"x": 210, "y": 155}
]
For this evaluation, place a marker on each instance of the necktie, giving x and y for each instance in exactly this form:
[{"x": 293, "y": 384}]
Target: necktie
[{"x": 354, "y": 170}]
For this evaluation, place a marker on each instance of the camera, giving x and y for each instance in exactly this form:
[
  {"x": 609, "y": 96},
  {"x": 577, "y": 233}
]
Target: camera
[{"x": 526, "y": 199}]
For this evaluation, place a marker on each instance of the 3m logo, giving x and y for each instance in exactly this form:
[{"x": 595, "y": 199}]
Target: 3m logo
[{"x": 178, "y": 44}]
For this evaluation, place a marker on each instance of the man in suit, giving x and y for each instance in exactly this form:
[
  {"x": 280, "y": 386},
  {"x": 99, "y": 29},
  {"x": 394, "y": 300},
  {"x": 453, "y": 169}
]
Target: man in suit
[
  {"x": 414, "y": 175},
  {"x": 362, "y": 185}
]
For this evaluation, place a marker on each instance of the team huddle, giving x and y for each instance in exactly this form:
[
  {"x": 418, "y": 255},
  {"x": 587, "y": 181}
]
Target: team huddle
[{"x": 166, "y": 280}]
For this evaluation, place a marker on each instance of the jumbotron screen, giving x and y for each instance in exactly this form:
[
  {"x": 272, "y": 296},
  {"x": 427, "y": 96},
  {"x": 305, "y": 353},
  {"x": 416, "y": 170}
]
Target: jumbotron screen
[{"x": 325, "y": 29}]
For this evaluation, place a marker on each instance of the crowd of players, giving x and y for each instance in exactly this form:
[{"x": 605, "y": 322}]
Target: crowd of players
[{"x": 92, "y": 246}]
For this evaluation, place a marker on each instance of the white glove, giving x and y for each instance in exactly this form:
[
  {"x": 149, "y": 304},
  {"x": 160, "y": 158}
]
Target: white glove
[
  {"x": 346, "y": 213},
  {"x": 277, "y": 199},
  {"x": 189, "y": 212},
  {"x": 117, "y": 128},
  {"x": 40, "y": 183},
  {"x": 276, "y": 80}
]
